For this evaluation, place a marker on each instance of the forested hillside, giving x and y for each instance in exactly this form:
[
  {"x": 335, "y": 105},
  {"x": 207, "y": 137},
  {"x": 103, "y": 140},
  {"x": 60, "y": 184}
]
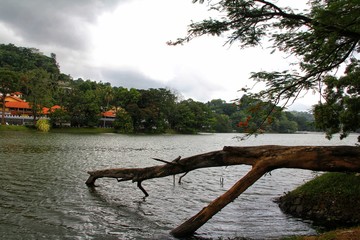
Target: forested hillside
[{"x": 160, "y": 110}]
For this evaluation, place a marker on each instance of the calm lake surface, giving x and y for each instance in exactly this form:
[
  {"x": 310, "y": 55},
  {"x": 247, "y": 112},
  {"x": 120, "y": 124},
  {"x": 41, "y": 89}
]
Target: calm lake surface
[{"x": 43, "y": 193}]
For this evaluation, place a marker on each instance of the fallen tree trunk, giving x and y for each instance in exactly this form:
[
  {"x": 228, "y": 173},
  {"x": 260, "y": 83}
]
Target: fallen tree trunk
[{"x": 262, "y": 159}]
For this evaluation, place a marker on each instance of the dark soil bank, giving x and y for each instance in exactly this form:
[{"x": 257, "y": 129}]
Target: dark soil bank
[{"x": 330, "y": 201}]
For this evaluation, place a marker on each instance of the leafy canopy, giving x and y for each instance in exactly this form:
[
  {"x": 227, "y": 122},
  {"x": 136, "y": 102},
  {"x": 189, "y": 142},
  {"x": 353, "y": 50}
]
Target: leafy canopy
[
  {"x": 29, "y": 71},
  {"x": 323, "y": 39}
]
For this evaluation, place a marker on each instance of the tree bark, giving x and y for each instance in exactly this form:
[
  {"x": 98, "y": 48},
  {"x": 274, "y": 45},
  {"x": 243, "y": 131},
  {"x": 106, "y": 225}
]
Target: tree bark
[{"x": 262, "y": 159}]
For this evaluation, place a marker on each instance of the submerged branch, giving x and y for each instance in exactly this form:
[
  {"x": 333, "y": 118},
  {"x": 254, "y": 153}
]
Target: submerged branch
[{"x": 262, "y": 159}]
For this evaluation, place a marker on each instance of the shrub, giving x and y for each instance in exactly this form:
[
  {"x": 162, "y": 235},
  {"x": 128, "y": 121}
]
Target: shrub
[
  {"x": 43, "y": 125},
  {"x": 123, "y": 122}
]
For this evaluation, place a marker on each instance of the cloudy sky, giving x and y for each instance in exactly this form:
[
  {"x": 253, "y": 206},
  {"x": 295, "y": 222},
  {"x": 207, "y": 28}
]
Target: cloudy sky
[{"x": 124, "y": 42}]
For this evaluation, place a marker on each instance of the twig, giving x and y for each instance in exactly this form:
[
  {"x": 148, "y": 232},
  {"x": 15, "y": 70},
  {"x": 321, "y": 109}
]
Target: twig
[
  {"x": 176, "y": 160},
  {"x": 167, "y": 162},
  {"x": 182, "y": 177},
  {"x": 173, "y": 162},
  {"x": 142, "y": 189}
]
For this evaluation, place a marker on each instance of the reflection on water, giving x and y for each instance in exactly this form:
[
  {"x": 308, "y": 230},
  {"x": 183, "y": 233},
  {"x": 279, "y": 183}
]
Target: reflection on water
[{"x": 43, "y": 195}]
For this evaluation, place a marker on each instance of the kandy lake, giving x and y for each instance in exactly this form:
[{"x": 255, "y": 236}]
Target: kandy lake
[{"x": 43, "y": 193}]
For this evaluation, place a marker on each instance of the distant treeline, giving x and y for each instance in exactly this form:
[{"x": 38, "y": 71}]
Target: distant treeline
[{"x": 160, "y": 110}]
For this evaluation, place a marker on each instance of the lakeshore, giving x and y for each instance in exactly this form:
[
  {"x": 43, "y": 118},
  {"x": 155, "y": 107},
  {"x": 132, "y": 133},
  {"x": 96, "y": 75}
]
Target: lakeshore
[
  {"x": 331, "y": 201},
  {"x": 58, "y": 130}
]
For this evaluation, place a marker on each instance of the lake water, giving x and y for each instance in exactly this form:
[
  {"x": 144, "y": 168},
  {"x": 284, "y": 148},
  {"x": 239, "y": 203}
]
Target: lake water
[{"x": 43, "y": 193}]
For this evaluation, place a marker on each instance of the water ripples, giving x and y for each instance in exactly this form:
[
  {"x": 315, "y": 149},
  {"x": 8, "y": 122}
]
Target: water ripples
[{"x": 43, "y": 195}]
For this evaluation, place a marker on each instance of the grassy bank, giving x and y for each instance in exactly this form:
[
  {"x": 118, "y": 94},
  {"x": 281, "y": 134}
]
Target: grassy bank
[
  {"x": 14, "y": 128},
  {"x": 343, "y": 185},
  {"x": 82, "y": 130},
  {"x": 58, "y": 130},
  {"x": 331, "y": 201}
]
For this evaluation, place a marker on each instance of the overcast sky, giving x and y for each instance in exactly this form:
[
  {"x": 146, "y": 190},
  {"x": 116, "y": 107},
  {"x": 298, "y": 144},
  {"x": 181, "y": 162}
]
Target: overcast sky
[{"x": 124, "y": 42}]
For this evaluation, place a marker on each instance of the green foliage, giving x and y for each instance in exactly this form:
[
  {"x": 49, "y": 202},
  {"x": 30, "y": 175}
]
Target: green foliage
[
  {"x": 13, "y": 128},
  {"x": 84, "y": 103},
  {"x": 21, "y": 59},
  {"x": 220, "y": 106},
  {"x": 9, "y": 82},
  {"x": 184, "y": 120},
  {"x": 32, "y": 73},
  {"x": 37, "y": 89},
  {"x": 192, "y": 117},
  {"x": 59, "y": 117},
  {"x": 123, "y": 97},
  {"x": 83, "y": 130},
  {"x": 154, "y": 110},
  {"x": 331, "y": 184},
  {"x": 123, "y": 122},
  {"x": 330, "y": 200},
  {"x": 42, "y": 125},
  {"x": 341, "y": 110},
  {"x": 222, "y": 123},
  {"x": 106, "y": 95},
  {"x": 304, "y": 120}
]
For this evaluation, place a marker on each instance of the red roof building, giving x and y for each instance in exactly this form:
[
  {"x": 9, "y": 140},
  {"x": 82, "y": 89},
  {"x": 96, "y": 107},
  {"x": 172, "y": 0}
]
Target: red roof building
[
  {"x": 16, "y": 106},
  {"x": 24, "y": 105},
  {"x": 47, "y": 111},
  {"x": 109, "y": 114}
]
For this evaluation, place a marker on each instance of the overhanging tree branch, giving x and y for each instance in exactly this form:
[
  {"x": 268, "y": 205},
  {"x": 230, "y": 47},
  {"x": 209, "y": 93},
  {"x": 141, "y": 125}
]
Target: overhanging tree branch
[{"x": 320, "y": 38}]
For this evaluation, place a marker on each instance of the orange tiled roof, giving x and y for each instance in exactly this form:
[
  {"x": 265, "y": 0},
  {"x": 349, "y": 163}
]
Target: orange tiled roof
[
  {"x": 55, "y": 107},
  {"x": 17, "y": 105},
  {"x": 108, "y": 114},
  {"x": 13, "y": 99},
  {"x": 46, "y": 110}
]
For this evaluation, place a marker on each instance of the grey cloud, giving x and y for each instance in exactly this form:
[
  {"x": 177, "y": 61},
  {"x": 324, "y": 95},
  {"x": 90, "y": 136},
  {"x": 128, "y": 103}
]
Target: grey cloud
[
  {"x": 193, "y": 85},
  {"x": 189, "y": 87},
  {"x": 129, "y": 79},
  {"x": 62, "y": 27},
  {"x": 59, "y": 23}
]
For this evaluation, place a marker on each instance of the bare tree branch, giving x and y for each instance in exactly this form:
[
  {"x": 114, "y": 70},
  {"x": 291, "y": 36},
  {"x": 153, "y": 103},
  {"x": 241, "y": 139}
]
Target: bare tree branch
[{"x": 262, "y": 159}]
